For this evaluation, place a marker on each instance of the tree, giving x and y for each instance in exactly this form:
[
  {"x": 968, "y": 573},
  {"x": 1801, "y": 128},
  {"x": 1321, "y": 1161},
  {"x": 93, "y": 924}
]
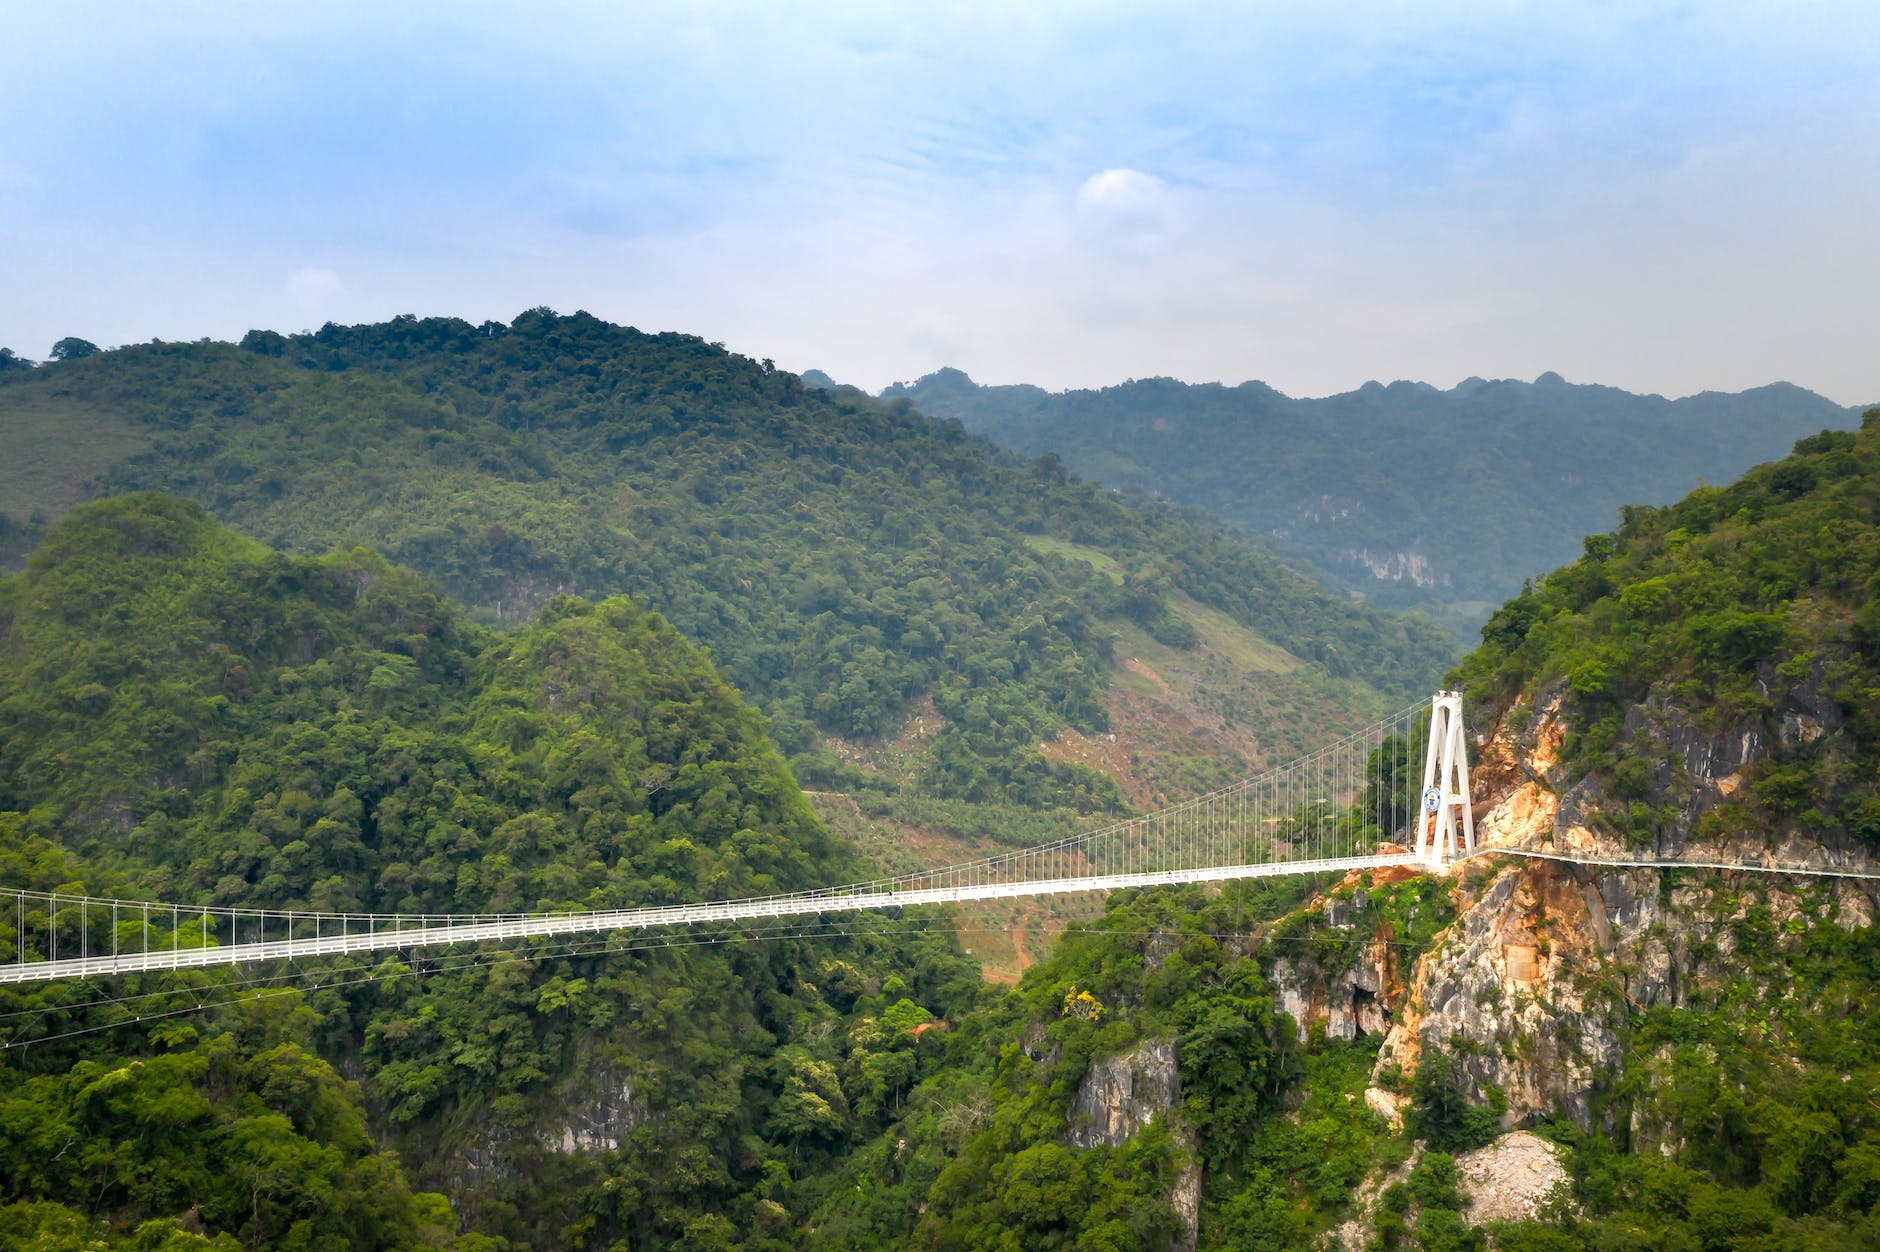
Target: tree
[
  {"x": 72, "y": 348},
  {"x": 10, "y": 362},
  {"x": 265, "y": 342},
  {"x": 1446, "y": 1114}
]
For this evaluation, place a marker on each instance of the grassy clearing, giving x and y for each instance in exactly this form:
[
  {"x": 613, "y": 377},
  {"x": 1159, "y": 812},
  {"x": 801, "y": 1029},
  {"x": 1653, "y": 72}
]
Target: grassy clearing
[
  {"x": 1228, "y": 638},
  {"x": 1069, "y": 551}
]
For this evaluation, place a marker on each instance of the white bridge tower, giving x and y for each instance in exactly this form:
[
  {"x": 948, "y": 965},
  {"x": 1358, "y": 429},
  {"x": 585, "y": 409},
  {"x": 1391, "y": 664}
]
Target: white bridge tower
[{"x": 1445, "y": 822}]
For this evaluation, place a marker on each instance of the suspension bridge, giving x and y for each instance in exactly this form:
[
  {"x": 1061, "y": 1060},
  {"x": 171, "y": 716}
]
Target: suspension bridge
[{"x": 1368, "y": 801}]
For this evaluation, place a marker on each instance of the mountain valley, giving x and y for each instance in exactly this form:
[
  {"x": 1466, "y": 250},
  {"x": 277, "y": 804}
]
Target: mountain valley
[{"x": 433, "y": 617}]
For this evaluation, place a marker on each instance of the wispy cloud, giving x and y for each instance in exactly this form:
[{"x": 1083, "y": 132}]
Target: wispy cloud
[
  {"x": 1661, "y": 195},
  {"x": 1122, "y": 193}
]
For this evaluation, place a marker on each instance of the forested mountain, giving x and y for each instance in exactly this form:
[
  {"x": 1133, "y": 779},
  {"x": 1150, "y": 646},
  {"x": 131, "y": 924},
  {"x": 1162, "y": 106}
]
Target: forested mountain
[
  {"x": 844, "y": 559},
  {"x": 1691, "y": 1054},
  {"x": 1414, "y": 497},
  {"x": 1706, "y": 681},
  {"x": 185, "y": 714}
]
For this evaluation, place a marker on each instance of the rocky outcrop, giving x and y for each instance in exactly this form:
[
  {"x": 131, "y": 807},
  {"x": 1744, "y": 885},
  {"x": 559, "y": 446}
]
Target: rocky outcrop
[
  {"x": 1506, "y": 996},
  {"x": 597, "y": 1123},
  {"x": 1533, "y": 988},
  {"x": 1407, "y": 566},
  {"x": 1510, "y": 1179},
  {"x": 593, "y": 1110},
  {"x": 1123, "y": 1093},
  {"x": 1350, "y": 1004},
  {"x": 1691, "y": 767},
  {"x": 1185, "y": 1198},
  {"x": 1386, "y": 1105},
  {"x": 1358, "y": 1000}
]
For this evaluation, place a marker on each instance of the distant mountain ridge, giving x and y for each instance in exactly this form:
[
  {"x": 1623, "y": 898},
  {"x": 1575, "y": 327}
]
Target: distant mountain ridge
[
  {"x": 851, "y": 564},
  {"x": 1413, "y": 496}
]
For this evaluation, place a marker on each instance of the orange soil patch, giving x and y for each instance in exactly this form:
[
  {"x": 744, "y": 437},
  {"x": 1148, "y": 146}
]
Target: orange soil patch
[
  {"x": 1107, "y": 752},
  {"x": 1525, "y": 817},
  {"x": 937, "y": 848}
]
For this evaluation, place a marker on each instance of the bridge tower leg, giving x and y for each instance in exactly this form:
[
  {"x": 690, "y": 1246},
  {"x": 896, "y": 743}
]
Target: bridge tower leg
[{"x": 1445, "y": 821}]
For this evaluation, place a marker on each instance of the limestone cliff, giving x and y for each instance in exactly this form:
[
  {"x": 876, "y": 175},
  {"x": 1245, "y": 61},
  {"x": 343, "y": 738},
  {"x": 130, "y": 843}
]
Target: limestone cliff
[
  {"x": 1358, "y": 1000},
  {"x": 1687, "y": 768},
  {"x": 1534, "y": 988},
  {"x": 601, "y": 1109},
  {"x": 1123, "y": 1093}
]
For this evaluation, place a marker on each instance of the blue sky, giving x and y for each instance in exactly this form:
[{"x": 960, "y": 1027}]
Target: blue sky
[{"x": 1662, "y": 197}]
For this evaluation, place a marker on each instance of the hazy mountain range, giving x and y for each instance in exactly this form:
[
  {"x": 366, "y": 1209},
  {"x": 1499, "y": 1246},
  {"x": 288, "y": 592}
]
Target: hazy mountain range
[{"x": 1443, "y": 500}]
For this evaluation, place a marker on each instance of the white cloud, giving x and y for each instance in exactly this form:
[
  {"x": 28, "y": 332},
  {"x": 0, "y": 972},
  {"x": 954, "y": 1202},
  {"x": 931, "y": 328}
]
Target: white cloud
[{"x": 1122, "y": 193}]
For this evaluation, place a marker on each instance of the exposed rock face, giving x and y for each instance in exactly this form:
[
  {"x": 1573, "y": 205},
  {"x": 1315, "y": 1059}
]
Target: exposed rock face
[
  {"x": 1119, "y": 1096},
  {"x": 1408, "y": 566},
  {"x": 1357, "y": 1002},
  {"x": 472, "y": 1163},
  {"x": 1510, "y": 1179},
  {"x": 1185, "y": 1196},
  {"x": 1505, "y": 995},
  {"x": 599, "y": 1109},
  {"x": 1693, "y": 768},
  {"x": 1385, "y": 1105},
  {"x": 1360, "y": 1000},
  {"x": 599, "y": 1122},
  {"x": 1533, "y": 989}
]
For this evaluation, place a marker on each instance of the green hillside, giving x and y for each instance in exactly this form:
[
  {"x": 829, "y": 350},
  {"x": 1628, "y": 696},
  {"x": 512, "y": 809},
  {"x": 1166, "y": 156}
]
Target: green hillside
[
  {"x": 185, "y": 714},
  {"x": 844, "y": 560},
  {"x": 1713, "y": 667},
  {"x": 1414, "y": 497},
  {"x": 1701, "y": 1055},
  {"x": 1737, "y": 604}
]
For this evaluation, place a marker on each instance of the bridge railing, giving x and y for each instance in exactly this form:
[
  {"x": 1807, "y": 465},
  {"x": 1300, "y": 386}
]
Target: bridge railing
[{"x": 1354, "y": 798}]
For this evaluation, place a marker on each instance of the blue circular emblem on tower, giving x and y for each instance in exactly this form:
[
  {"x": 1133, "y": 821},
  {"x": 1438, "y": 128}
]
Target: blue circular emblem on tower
[{"x": 1432, "y": 800}]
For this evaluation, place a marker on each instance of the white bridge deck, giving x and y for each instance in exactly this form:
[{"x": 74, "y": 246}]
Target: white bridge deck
[
  {"x": 1310, "y": 816},
  {"x": 393, "y": 933}
]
